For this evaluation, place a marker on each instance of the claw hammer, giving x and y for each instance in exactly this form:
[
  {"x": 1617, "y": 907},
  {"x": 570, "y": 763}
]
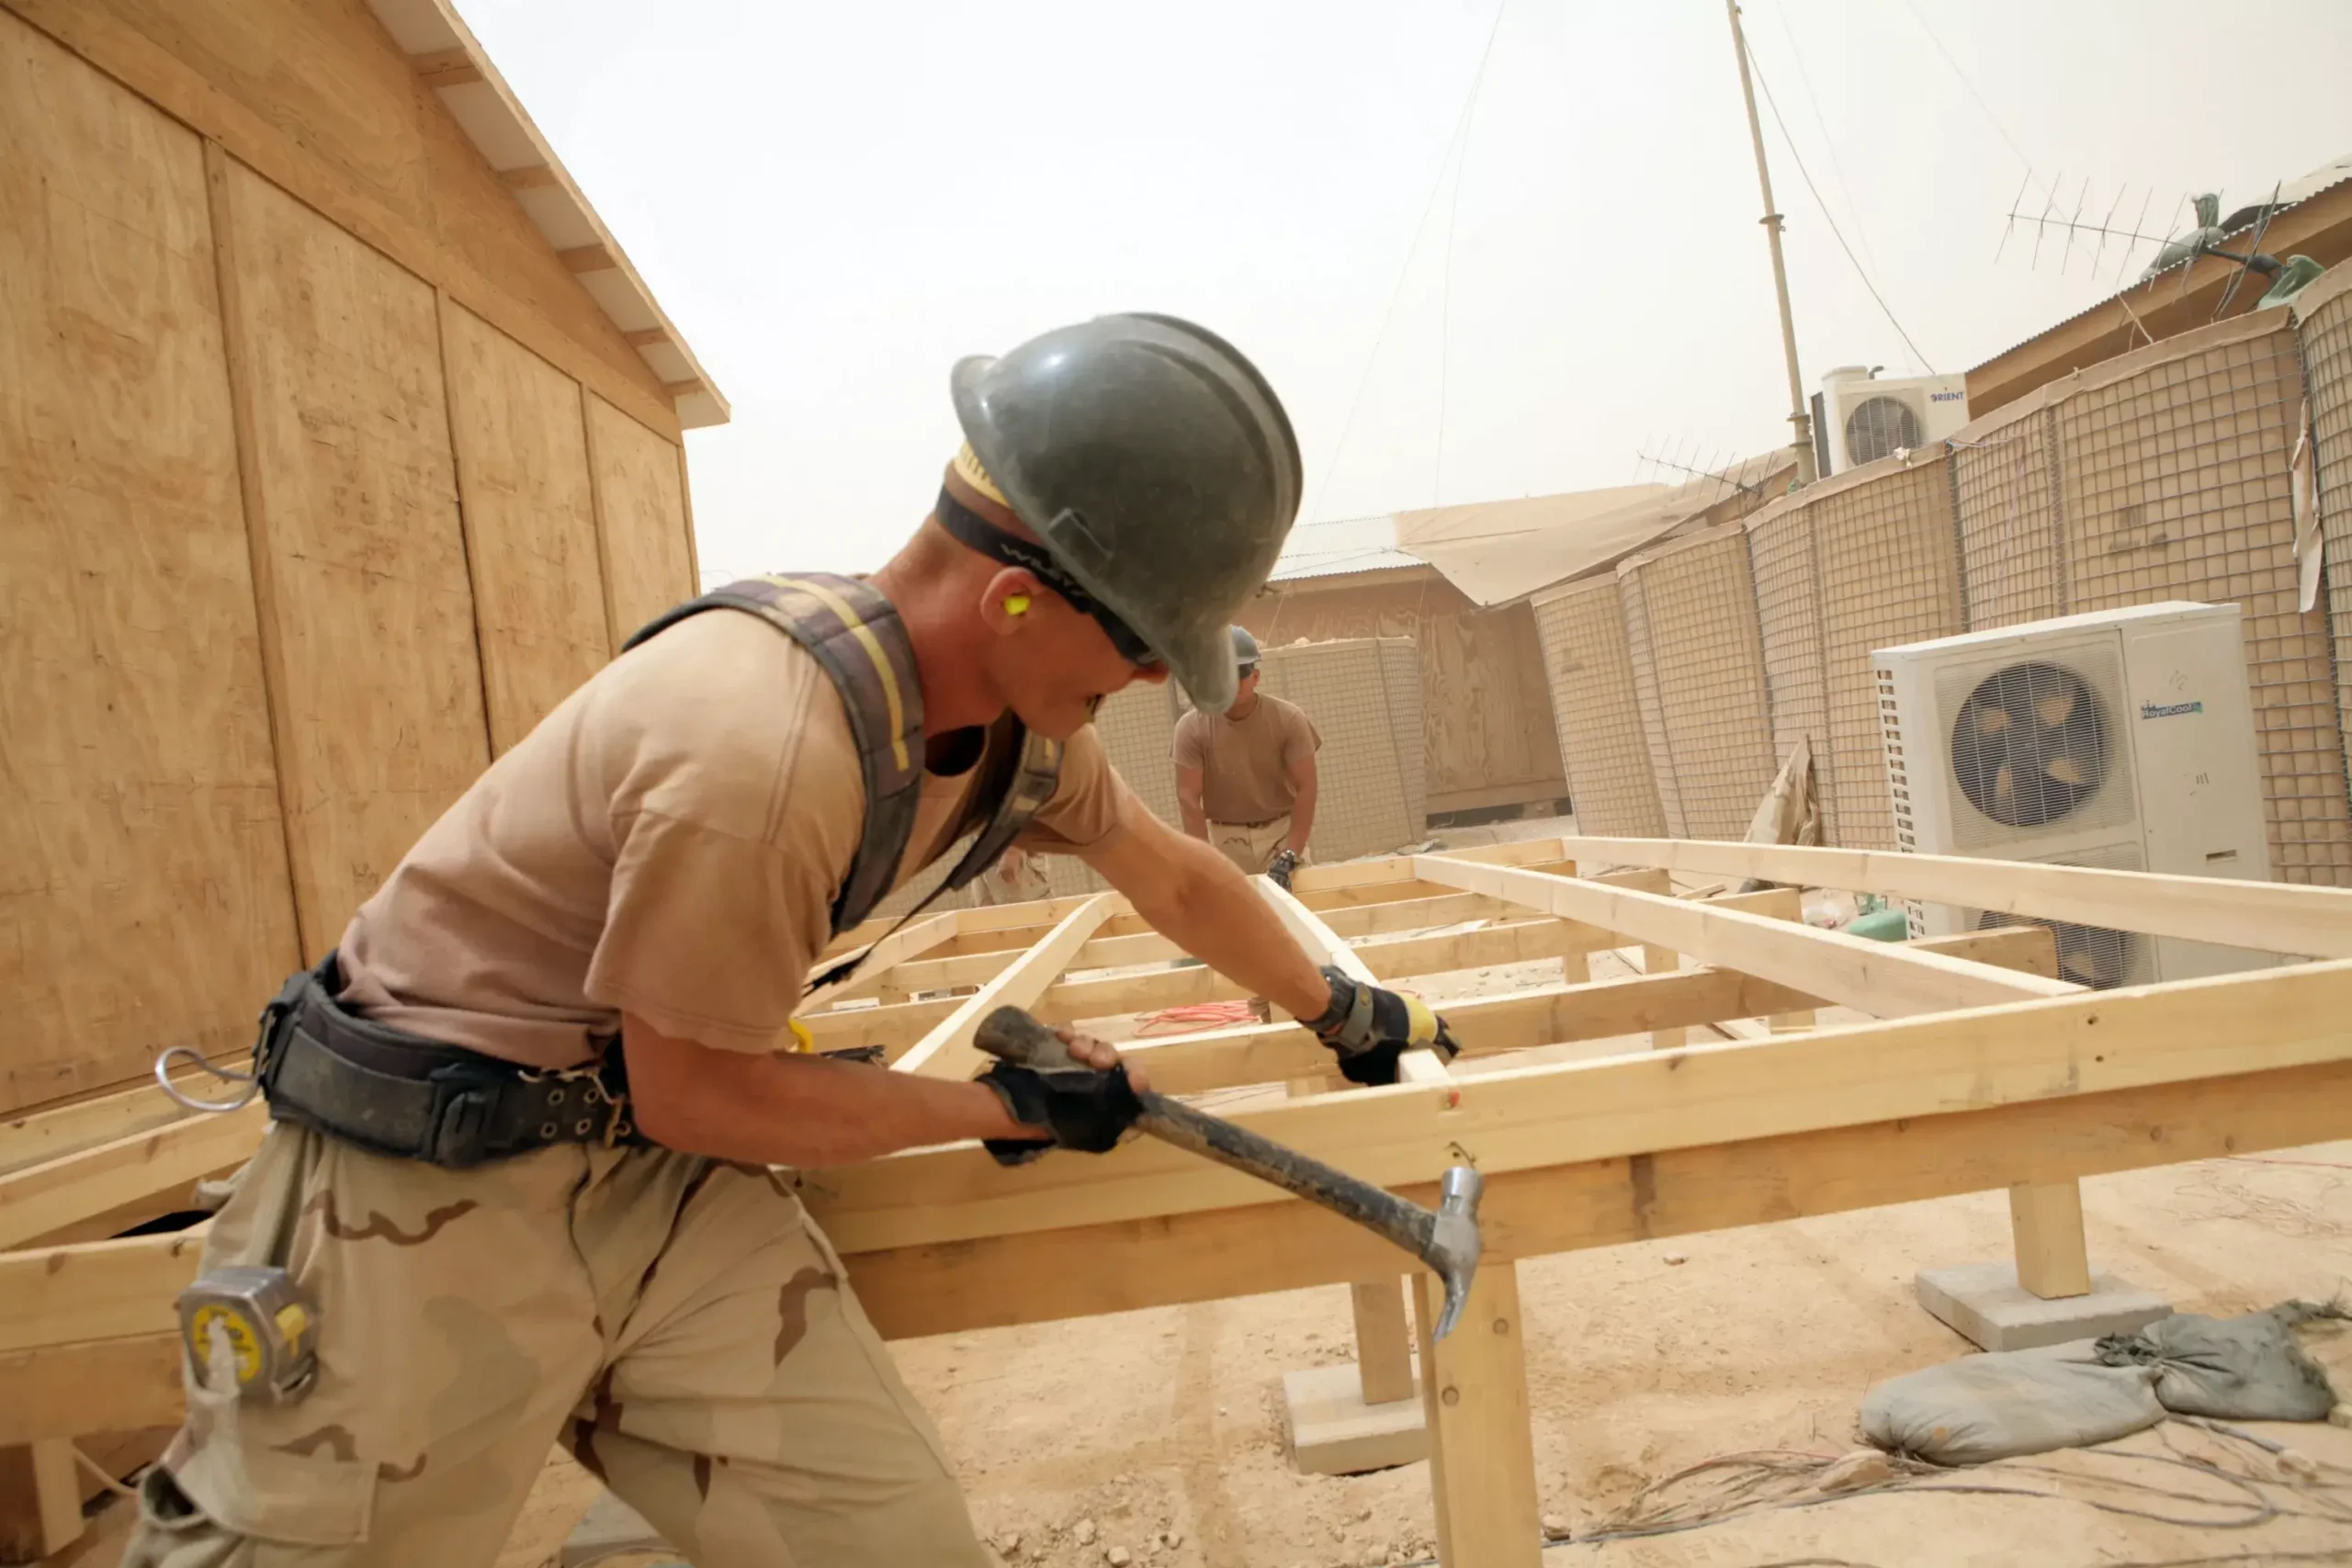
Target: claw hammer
[{"x": 1445, "y": 1238}]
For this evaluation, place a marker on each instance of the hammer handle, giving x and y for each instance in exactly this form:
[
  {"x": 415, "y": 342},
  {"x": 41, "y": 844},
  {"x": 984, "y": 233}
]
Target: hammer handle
[{"x": 1408, "y": 1225}]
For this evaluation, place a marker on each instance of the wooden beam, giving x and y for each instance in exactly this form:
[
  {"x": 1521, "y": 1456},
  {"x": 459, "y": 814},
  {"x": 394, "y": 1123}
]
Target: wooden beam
[
  {"x": 948, "y": 1052},
  {"x": 2269, "y": 917},
  {"x": 1315, "y": 886},
  {"x": 97, "y": 1385},
  {"x": 887, "y": 957},
  {"x": 1889, "y": 979},
  {"x": 41, "y": 1501},
  {"x": 531, "y": 176},
  {"x": 446, "y": 68},
  {"x": 589, "y": 258},
  {"x": 896, "y": 1026},
  {"x": 100, "y": 1289},
  {"x": 1088, "y": 1271},
  {"x": 2046, "y": 1223},
  {"x": 675, "y": 389},
  {"x": 30, "y": 1137},
  {"x": 1482, "y": 1434},
  {"x": 651, "y": 337},
  {"x": 1521, "y": 1118},
  {"x": 43, "y": 1199}
]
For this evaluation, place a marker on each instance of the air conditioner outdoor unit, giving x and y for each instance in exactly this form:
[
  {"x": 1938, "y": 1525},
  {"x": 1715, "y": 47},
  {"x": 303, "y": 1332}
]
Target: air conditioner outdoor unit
[
  {"x": 2122, "y": 740},
  {"x": 1863, "y": 418}
]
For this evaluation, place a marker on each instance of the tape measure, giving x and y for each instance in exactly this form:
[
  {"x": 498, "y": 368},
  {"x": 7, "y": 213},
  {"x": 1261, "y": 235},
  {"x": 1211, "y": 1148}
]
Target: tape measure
[{"x": 272, "y": 1325}]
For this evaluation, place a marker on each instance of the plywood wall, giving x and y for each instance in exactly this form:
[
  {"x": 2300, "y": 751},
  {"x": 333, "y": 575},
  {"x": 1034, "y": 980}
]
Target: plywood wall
[
  {"x": 642, "y": 512},
  {"x": 1486, "y": 706},
  {"x": 143, "y": 896},
  {"x": 375, "y": 685},
  {"x": 530, "y": 522},
  {"x": 294, "y": 538}
]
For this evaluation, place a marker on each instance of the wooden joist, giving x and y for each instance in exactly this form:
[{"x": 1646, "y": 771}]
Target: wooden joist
[
  {"x": 1519, "y": 1119},
  {"x": 947, "y": 1050},
  {"x": 40, "y": 1200},
  {"x": 2270, "y": 916},
  {"x": 1889, "y": 979}
]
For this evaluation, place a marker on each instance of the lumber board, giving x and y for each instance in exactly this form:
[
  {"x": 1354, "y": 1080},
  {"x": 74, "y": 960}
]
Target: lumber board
[
  {"x": 530, "y": 522},
  {"x": 947, "y": 1050},
  {"x": 101, "y": 1290},
  {"x": 39, "y": 1135},
  {"x": 2046, "y": 1226},
  {"x": 1322, "y": 887},
  {"x": 888, "y": 956},
  {"x": 147, "y": 901},
  {"x": 91, "y": 1385},
  {"x": 41, "y": 1501},
  {"x": 46, "y": 1198},
  {"x": 1482, "y": 1435},
  {"x": 641, "y": 504},
  {"x": 1889, "y": 979},
  {"x": 376, "y": 690},
  {"x": 1088, "y": 1271},
  {"x": 899, "y": 1025},
  {"x": 1519, "y": 1118},
  {"x": 2271, "y": 917}
]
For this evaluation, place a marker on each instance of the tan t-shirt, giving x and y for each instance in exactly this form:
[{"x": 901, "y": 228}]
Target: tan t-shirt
[
  {"x": 1245, "y": 764},
  {"x": 668, "y": 840}
]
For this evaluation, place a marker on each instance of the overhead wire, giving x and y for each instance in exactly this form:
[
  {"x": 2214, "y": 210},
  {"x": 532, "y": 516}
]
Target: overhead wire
[
  {"x": 1460, "y": 128},
  {"x": 1821, "y": 123},
  {"x": 1789, "y": 139}
]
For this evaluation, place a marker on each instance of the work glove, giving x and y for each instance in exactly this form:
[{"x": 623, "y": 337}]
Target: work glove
[
  {"x": 1278, "y": 869},
  {"x": 1072, "y": 1108},
  {"x": 1369, "y": 1029}
]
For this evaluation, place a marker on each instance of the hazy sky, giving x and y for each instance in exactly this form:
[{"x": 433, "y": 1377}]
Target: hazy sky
[{"x": 834, "y": 202}]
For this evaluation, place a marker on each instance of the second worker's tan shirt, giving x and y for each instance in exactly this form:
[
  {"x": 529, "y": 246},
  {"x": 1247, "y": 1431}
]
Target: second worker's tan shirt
[
  {"x": 1245, "y": 764},
  {"x": 667, "y": 841}
]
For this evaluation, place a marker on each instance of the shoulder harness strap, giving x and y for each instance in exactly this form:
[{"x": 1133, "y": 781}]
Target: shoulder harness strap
[{"x": 855, "y": 635}]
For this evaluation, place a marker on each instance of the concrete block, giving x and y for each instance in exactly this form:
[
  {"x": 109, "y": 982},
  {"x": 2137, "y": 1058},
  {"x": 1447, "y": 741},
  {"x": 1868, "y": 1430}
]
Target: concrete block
[
  {"x": 1984, "y": 1302},
  {"x": 1333, "y": 1432}
]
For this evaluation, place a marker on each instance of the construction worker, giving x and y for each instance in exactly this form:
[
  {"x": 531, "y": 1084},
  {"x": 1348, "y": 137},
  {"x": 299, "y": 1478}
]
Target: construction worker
[
  {"x": 1245, "y": 776},
  {"x": 526, "y": 1119}
]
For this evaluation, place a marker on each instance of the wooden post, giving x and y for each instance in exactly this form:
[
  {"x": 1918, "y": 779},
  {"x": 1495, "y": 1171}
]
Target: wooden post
[
  {"x": 2046, "y": 1221},
  {"x": 1482, "y": 1440},
  {"x": 40, "y": 1500},
  {"x": 1384, "y": 1342},
  {"x": 1663, "y": 961}
]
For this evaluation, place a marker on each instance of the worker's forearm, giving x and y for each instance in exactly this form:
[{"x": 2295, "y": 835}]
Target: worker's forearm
[
  {"x": 1196, "y": 818},
  {"x": 797, "y": 1111},
  {"x": 1212, "y": 912},
  {"x": 1301, "y": 819}
]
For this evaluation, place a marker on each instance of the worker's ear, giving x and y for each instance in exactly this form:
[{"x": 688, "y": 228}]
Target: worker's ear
[{"x": 1010, "y": 600}]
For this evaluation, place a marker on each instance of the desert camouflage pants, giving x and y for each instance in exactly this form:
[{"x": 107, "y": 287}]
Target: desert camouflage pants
[
  {"x": 1251, "y": 848},
  {"x": 679, "y": 1324}
]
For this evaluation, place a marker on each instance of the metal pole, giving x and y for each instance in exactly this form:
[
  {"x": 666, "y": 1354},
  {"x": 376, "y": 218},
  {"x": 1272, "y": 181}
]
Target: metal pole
[{"x": 1800, "y": 416}]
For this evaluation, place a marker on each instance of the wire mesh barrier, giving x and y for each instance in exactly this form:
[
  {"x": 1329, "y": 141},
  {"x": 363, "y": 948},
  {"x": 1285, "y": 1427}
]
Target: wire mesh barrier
[
  {"x": 2174, "y": 484},
  {"x": 1690, "y": 616},
  {"x": 1784, "y": 558},
  {"x": 1884, "y": 539},
  {"x": 1364, "y": 697},
  {"x": 2323, "y": 316},
  {"x": 2005, "y": 493},
  {"x": 1646, "y": 704},
  {"x": 1591, "y": 671}
]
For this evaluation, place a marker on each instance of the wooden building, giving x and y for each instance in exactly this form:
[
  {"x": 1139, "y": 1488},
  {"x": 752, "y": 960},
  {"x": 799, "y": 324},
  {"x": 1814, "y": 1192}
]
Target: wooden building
[{"x": 338, "y": 442}]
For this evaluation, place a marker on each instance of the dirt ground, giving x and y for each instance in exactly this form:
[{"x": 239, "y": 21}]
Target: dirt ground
[{"x": 1159, "y": 1433}]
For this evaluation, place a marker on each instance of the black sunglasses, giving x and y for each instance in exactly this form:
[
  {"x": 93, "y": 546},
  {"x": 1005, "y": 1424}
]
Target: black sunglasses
[{"x": 975, "y": 532}]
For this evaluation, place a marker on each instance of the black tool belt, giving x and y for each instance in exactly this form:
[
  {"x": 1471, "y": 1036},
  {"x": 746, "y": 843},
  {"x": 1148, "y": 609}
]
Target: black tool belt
[{"x": 401, "y": 1094}]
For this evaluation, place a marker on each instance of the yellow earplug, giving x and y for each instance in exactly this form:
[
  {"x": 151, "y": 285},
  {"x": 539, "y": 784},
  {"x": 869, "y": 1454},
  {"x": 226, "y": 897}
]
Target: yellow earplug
[
  {"x": 1016, "y": 603},
  {"x": 803, "y": 1041}
]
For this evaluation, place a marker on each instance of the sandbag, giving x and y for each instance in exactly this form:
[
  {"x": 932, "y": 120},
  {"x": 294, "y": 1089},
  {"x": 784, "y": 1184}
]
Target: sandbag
[
  {"x": 2009, "y": 1403},
  {"x": 2247, "y": 1368}
]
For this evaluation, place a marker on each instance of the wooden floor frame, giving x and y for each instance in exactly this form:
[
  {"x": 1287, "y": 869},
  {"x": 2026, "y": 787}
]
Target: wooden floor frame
[{"x": 1977, "y": 1069}]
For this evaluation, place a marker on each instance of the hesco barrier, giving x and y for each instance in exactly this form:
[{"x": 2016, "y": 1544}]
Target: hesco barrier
[
  {"x": 1699, "y": 672},
  {"x": 1591, "y": 671}
]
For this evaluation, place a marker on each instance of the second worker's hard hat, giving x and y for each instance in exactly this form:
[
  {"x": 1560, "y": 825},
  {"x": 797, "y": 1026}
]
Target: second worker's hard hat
[
  {"x": 1157, "y": 465},
  {"x": 1245, "y": 650}
]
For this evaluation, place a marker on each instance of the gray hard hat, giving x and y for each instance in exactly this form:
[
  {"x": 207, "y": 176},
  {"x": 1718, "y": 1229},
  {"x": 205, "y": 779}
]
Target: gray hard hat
[
  {"x": 1158, "y": 467},
  {"x": 1244, "y": 650}
]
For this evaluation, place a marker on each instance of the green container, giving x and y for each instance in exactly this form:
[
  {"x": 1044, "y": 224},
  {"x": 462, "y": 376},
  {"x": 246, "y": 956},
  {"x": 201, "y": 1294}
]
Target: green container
[{"x": 1881, "y": 925}]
